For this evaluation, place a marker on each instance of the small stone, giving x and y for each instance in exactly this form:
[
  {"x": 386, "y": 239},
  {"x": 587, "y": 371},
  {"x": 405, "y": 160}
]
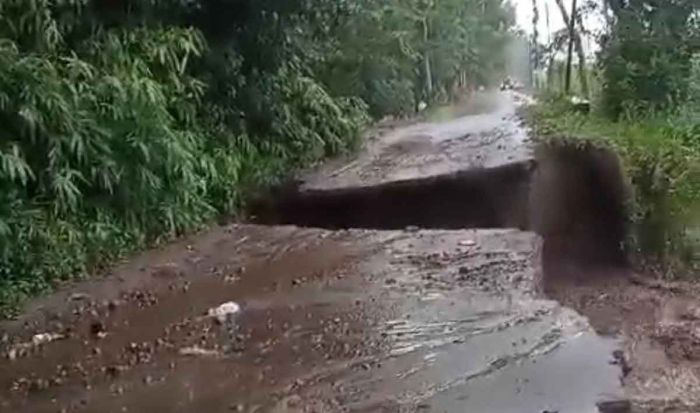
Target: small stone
[
  {"x": 78, "y": 297},
  {"x": 614, "y": 406},
  {"x": 38, "y": 385},
  {"x": 113, "y": 371},
  {"x": 97, "y": 327}
]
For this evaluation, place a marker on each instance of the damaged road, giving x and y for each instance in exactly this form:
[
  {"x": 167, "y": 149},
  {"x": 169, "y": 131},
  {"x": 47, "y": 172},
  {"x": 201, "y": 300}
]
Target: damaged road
[
  {"x": 408, "y": 279},
  {"x": 329, "y": 321}
]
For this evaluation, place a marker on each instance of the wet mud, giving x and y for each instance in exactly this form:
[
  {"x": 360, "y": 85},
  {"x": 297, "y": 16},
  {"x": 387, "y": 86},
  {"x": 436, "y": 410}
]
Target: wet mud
[
  {"x": 450, "y": 267},
  {"x": 330, "y": 321}
]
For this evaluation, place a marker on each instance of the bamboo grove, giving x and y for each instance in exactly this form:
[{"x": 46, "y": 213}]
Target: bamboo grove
[{"x": 128, "y": 122}]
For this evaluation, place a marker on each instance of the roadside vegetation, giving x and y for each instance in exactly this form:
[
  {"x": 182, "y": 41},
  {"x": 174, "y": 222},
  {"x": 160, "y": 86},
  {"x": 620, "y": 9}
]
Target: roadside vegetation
[
  {"x": 126, "y": 123},
  {"x": 642, "y": 94}
]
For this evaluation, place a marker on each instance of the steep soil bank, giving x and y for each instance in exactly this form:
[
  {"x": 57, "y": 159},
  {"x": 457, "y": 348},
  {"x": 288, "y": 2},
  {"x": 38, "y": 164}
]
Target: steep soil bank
[{"x": 493, "y": 198}]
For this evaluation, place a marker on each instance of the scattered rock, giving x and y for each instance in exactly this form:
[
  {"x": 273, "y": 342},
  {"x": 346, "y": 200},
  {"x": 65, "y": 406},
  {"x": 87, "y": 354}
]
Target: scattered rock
[
  {"x": 224, "y": 311},
  {"x": 97, "y": 329},
  {"x": 40, "y": 339},
  {"x": 38, "y": 385},
  {"x": 44, "y": 338}
]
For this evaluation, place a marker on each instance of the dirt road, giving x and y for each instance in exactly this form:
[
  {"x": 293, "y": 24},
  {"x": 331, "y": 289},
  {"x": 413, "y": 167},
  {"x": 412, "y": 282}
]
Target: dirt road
[{"x": 399, "y": 304}]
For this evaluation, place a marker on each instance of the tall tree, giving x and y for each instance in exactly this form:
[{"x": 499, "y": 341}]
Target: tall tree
[
  {"x": 646, "y": 55},
  {"x": 575, "y": 37},
  {"x": 535, "y": 40}
]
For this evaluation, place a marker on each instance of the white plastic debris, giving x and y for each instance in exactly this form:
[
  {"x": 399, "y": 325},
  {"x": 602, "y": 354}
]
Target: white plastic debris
[
  {"x": 467, "y": 243},
  {"x": 224, "y": 311},
  {"x": 198, "y": 352},
  {"x": 44, "y": 338},
  {"x": 78, "y": 297}
]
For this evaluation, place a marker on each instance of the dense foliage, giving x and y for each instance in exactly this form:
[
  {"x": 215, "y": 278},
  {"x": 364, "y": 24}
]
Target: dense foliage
[
  {"x": 646, "y": 54},
  {"x": 646, "y": 106},
  {"x": 123, "y": 122}
]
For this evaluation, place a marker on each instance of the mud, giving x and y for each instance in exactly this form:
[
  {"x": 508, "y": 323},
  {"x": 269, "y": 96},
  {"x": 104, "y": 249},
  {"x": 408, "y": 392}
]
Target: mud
[
  {"x": 416, "y": 312},
  {"x": 577, "y": 203},
  {"x": 330, "y": 321}
]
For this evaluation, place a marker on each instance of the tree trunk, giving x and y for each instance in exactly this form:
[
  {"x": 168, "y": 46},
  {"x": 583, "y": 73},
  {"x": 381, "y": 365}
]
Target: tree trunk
[
  {"x": 426, "y": 58},
  {"x": 535, "y": 41},
  {"x": 577, "y": 43}
]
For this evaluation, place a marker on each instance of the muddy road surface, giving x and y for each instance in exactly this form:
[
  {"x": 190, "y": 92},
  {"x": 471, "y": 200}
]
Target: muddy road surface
[{"x": 408, "y": 279}]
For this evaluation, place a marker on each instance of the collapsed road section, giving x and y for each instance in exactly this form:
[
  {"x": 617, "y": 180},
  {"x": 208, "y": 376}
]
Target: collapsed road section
[{"x": 478, "y": 171}]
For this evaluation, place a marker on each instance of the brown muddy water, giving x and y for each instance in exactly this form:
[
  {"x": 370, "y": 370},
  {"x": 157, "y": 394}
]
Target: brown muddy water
[{"x": 410, "y": 279}]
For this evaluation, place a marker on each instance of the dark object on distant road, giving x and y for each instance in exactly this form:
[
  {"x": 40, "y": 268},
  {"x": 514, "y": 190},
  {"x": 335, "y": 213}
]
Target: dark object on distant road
[
  {"x": 507, "y": 84},
  {"x": 580, "y": 105},
  {"x": 510, "y": 84}
]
